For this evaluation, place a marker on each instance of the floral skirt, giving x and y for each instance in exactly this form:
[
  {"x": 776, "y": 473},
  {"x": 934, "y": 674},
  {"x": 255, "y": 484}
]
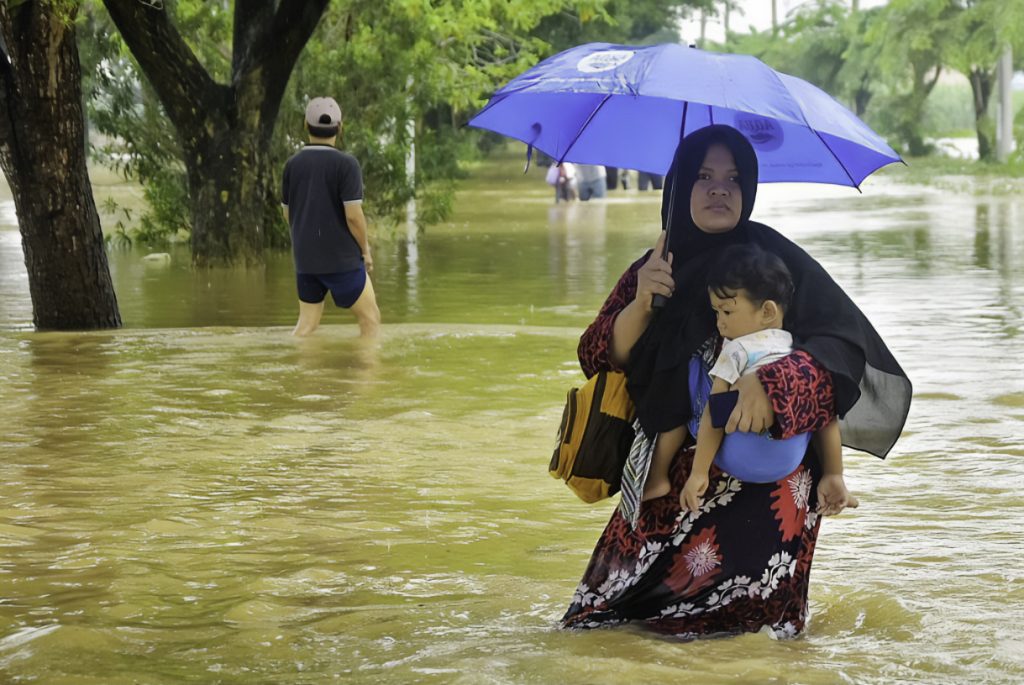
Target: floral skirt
[{"x": 740, "y": 564}]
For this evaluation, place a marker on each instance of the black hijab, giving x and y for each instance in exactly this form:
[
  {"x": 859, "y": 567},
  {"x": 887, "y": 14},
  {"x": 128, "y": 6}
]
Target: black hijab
[{"x": 872, "y": 392}]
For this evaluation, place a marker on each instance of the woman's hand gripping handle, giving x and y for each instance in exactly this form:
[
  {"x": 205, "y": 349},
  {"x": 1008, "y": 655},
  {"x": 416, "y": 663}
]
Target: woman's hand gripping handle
[{"x": 654, "y": 280}]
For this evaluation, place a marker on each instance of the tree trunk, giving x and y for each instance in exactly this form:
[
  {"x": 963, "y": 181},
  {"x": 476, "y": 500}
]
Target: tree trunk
[
  {"x": 1004, "y": 103},
  {"x": 981, "y": 90},
  {"x": 861, "y": 98},
  {"x": 913, "y": 109},
  {"x": 43, "y": 155},
  {"x": 233, "y": 203},
  {"x": 224, "y": 129}
]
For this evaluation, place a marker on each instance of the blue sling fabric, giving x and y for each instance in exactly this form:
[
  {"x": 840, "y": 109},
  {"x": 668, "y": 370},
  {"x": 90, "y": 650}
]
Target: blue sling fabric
[{"x": 751, "y": 457}]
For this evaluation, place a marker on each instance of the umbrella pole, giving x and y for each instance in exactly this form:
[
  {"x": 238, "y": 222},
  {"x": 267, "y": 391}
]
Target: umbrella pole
[{"x": 659, "y": 301}]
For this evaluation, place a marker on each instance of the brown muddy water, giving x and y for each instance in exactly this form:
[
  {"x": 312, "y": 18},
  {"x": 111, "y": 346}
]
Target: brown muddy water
[{"x": 200, "y": 498}]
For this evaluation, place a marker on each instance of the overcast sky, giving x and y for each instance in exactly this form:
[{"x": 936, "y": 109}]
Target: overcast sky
[{"x": 757, "y": 13}]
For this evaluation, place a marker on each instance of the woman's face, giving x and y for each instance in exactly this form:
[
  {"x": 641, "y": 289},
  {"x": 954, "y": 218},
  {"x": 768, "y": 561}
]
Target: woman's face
[{"x": 717, "y": 201}]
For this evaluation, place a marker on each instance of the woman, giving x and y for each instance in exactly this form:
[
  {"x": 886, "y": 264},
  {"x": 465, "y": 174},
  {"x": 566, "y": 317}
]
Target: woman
[{"x": 742, "y": 562}]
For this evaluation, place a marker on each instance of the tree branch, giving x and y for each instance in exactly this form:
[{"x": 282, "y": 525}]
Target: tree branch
[
  {"x": 184, "y": 87},
  {"x": 251, "y": 20},
  {"x": 276, "y": 44}
]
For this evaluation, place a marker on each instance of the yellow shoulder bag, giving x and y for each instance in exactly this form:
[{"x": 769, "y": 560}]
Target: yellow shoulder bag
[{"x": 594, "y": 437}]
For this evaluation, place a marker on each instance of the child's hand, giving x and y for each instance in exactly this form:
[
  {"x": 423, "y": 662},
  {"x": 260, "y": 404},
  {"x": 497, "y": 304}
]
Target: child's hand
[
  {"x": 690, "y": 497},
  {"x": 833, "y": 496}
]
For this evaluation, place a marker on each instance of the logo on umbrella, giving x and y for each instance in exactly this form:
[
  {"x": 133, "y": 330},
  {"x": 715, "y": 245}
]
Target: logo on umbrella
[
  {"x": 604, "y": 61},
  {"x": 763, "y": 133}
]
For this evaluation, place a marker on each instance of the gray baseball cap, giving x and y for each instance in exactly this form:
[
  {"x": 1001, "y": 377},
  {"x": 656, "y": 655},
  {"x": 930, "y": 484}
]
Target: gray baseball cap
[{"x": 323, "y": 112}]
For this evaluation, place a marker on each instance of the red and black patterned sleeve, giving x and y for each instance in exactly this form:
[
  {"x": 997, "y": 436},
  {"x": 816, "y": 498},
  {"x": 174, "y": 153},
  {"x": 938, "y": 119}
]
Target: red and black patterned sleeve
[
  {"x": 801, "y": 393},
  {"x": 595, "y": 343}
]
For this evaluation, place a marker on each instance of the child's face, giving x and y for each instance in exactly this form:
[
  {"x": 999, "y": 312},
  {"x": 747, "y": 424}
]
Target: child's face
[{"x": 738, "y": 315}]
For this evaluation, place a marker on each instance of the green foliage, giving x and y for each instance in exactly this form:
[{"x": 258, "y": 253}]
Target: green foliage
[
  {"x": 1017, "y": 157},
  {"x": 811, "y": 44},
  {"x": 885, "y": 62},
  {"x": 119, "y": 238},
  {"x": 136, "y": 139},
  {"x": 908, "y": 36},
  {"x": 821, "y": 43},
  {"x": 207, "y": 28},
  {"x": 948, "y": 111},
  {"x": 166, "y": 194},
  {"x": 631, "y": 22}
]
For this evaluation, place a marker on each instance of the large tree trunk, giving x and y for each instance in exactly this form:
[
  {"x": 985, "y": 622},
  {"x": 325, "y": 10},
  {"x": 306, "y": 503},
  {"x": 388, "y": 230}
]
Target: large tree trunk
[
  {"x": 224, "y": 129},
  {"x": 913, "y": 109},
  {"x": 234, "y": 206},
  {"x": 42, "y": 151},
  {"x": 982, "y": 81},
  {"x": 861, "y": 98}
]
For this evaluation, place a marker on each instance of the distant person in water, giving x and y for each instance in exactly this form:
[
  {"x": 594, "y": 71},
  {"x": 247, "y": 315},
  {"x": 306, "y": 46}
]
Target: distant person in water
[
  {"x": 646, "y": 179},
  {"x": 592, "y": 180},
  {"x": 322, "y": 194},
  {"x": 566, "y": 190}
]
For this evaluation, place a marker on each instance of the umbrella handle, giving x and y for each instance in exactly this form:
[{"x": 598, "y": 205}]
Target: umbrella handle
[{"x": 659, "y": 301}]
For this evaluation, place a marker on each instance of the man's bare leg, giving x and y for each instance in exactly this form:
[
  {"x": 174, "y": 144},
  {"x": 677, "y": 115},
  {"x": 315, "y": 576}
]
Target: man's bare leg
[
  {"x": 309, "y": 318},
  {"x": 366, "y": 311}
]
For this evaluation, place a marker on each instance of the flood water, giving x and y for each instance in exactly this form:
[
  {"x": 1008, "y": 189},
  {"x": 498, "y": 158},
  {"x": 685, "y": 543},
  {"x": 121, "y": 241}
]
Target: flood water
[{"x": 200, "y": 498}]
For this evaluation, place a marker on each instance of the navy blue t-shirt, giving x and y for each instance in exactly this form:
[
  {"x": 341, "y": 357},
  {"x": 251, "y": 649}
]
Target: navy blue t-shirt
[{"x": 317, "y": 183}]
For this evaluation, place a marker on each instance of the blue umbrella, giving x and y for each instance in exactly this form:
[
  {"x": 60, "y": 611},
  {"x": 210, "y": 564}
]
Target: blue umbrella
[{"x": 628, "y": 107}]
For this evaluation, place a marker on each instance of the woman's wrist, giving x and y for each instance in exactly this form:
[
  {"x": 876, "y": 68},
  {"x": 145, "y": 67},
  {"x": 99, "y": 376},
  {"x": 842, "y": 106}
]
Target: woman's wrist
[{"x": 642, "y": 304}]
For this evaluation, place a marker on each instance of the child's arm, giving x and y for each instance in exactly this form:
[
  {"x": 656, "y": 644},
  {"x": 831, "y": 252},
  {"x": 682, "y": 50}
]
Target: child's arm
[
  {"x": 833, "y": 496},
  {"x": 709, "y": 439}
]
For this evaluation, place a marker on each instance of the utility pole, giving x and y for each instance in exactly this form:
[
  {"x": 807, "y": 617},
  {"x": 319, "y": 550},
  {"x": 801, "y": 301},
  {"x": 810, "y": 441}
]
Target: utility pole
[
  {"x": 703, "y": 27},
  {"x": 775, "y": 16},
  {"x": 1004, "y": 114},
  {"x": 411, "y": 228},
  {"x": 728, "y": 9}
]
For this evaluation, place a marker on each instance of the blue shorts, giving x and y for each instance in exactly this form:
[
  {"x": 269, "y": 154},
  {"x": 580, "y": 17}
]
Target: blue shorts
[{"x": 345, "y": 287}]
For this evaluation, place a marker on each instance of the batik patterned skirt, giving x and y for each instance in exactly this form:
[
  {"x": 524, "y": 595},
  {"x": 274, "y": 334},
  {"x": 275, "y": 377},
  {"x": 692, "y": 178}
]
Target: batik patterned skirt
[{"x": 740, "y": 564}]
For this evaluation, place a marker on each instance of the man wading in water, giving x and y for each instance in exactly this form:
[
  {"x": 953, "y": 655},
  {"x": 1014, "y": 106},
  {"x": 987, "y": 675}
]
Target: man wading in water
[{"x": 322, "y": 195}]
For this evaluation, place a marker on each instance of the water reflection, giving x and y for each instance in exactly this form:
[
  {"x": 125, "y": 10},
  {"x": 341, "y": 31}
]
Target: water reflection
[
  {"x": 411, "y": 249},
  {"x": 577, "y": 247},
  {"x": 982, "y": 235}
]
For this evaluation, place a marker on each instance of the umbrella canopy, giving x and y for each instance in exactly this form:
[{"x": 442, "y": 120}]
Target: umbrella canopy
[{"x": 628, "y": 107}]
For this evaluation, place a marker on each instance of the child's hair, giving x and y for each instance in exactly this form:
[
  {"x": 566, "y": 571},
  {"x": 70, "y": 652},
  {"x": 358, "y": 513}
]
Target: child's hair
[{"x": 748, "y": 267}]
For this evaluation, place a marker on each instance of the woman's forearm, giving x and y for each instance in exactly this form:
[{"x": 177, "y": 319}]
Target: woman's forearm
[
  {"x": 595, "y": 349},
  {"x": 629, "y": 325},
  {"x": 801, "y": 394}
]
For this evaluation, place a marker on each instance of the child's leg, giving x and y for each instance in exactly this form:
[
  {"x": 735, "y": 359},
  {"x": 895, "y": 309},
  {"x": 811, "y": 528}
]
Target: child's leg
[{"x": 665, "y": 448}]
